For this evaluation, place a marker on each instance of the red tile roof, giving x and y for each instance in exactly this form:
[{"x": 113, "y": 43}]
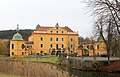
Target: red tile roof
[
  {"x": 44, "y": 28},
  {"x": 89, "y": 42},
  {"x": 29, "y": 42}
]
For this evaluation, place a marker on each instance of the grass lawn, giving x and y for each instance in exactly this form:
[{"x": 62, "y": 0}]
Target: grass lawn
[
  {"x": 2, "y": 75},
  {"x": 50, "y": 59}
]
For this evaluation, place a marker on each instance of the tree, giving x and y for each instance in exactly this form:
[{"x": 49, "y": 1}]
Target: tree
[
  {"x": 80, "y": 39},
  {"x": 72, "y": 45},
  {"x": 110, "y": 9},
  {"x": 87, "y": 39},
  {"x": 3, "y": 48},
  {"x": 107, "y": 21}
]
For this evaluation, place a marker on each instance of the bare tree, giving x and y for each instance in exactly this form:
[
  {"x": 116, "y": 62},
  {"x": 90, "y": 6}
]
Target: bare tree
[
  {"x": 108, "y": 9},
  {"x": 107, "y": 20}
]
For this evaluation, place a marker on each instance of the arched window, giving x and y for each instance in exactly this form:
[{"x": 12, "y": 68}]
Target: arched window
[
  {"x": 12, "y": 53},
  {"x": 71, "y": 46},
  {"x": 56, "y": 46},
  {"x": 56, "y": 39},
  {"x": 50, "y": 45},
  {"x": 88, "y": 46},
  {"x": 12, "y": 46},
  {"x": 41, "y": 38},
  {"x": 22, "y": 46},
  {"x": 62, "y": 39},
  {"x": 80, "y": 47},
  {"x": 98, "y": 46},
  {"x": 71, "y": 39},
  {"x": 41, "y": 45},
  {"x": 91, "y": 47},
  {"x": 51, "y": 39},
  {"x": 62, "y": 46},
  {"x": 22, "y": 53}
]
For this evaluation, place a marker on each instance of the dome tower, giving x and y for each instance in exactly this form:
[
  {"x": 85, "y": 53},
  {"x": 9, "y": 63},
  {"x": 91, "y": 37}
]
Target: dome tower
[{"x": 17, "y": 44}]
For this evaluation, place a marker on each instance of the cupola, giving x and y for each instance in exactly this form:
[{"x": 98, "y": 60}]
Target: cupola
[{"x": 17, "y": 36}]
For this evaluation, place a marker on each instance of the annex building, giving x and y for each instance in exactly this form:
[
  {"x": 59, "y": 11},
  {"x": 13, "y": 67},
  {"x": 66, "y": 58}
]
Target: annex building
[
  {"x": 91, "y": 48},
  {"x": 45, "y": 40}
]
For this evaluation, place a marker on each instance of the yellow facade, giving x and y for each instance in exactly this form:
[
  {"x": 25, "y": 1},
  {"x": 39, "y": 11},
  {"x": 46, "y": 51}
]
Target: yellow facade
[
  {"x": 16, "y": 48},
  {"x": 52, "y": 40},
  {"x": 45, "y": 40},
  {"x": 17, "y": 45},
  {"x": 90, "y": 49}
]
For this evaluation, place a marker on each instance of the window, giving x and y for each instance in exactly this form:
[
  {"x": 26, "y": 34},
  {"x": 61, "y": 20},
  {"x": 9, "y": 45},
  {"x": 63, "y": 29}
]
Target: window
[
  {"x": 50, "y": 45},
  {"x": 56, "y": 39},
  {"x": 91, "y": 47},
  {"x": 56, "y": 46},
  {"x": 29, "y": 46},
  {"x": 37, "y": 53},
  {"x": 41, "y": 52},
  {"x": 71, "y": 39},
  {"x": 80, "y": 47},
  {"x": 62, "y": 39},
  {"x": 12, "y": 46},
  {"x": 22, "y": 46},
  {"x": 56, "y": 31},
  {"x": 12, "y": 53},
  {"x": 51, "y": 39},
  {"x": 98, "y": 46},
  {"x": 88, "y": 46},
  {"x": 41, "y": 45},
  {"x": 62, "y": 46},
  {"x": 62, "y": 31},
  {"x": 41, "y": 38},
  {"x": 51, "y": 31},
  {"x": 71, "y": 46},
  {"x": 22, "y": 53}
]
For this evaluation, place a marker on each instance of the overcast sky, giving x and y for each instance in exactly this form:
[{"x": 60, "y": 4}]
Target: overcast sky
[{"x": 29, "y": 13}]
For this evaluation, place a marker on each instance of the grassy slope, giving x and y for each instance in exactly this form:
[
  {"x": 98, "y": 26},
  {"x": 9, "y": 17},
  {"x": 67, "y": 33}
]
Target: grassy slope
[
  {"x": 2, "y": 75},
  {"x": 51, "y": 59}
]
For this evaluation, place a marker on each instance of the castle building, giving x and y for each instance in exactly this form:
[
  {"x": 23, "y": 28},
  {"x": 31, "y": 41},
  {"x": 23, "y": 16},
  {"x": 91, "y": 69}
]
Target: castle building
[
  {"x": 53, "y": 40},
  {"x": 17, "y": 45},
  {"x": 45, "y": 40},
  {"x": 92, "y": 48}
]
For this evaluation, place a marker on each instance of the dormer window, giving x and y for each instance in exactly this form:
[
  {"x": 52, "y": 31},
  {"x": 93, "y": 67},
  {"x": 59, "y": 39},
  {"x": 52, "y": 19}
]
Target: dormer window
[
  {"x": 57, "y": 25},
  {"x": 56, "y": 31},
  {"x": 51, "y": 31}
]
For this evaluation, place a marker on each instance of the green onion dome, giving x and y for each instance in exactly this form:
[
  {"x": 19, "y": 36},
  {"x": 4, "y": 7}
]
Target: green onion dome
[
  {"x": 17, "y": 36},
  {"x": 100, "y": 39}
]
